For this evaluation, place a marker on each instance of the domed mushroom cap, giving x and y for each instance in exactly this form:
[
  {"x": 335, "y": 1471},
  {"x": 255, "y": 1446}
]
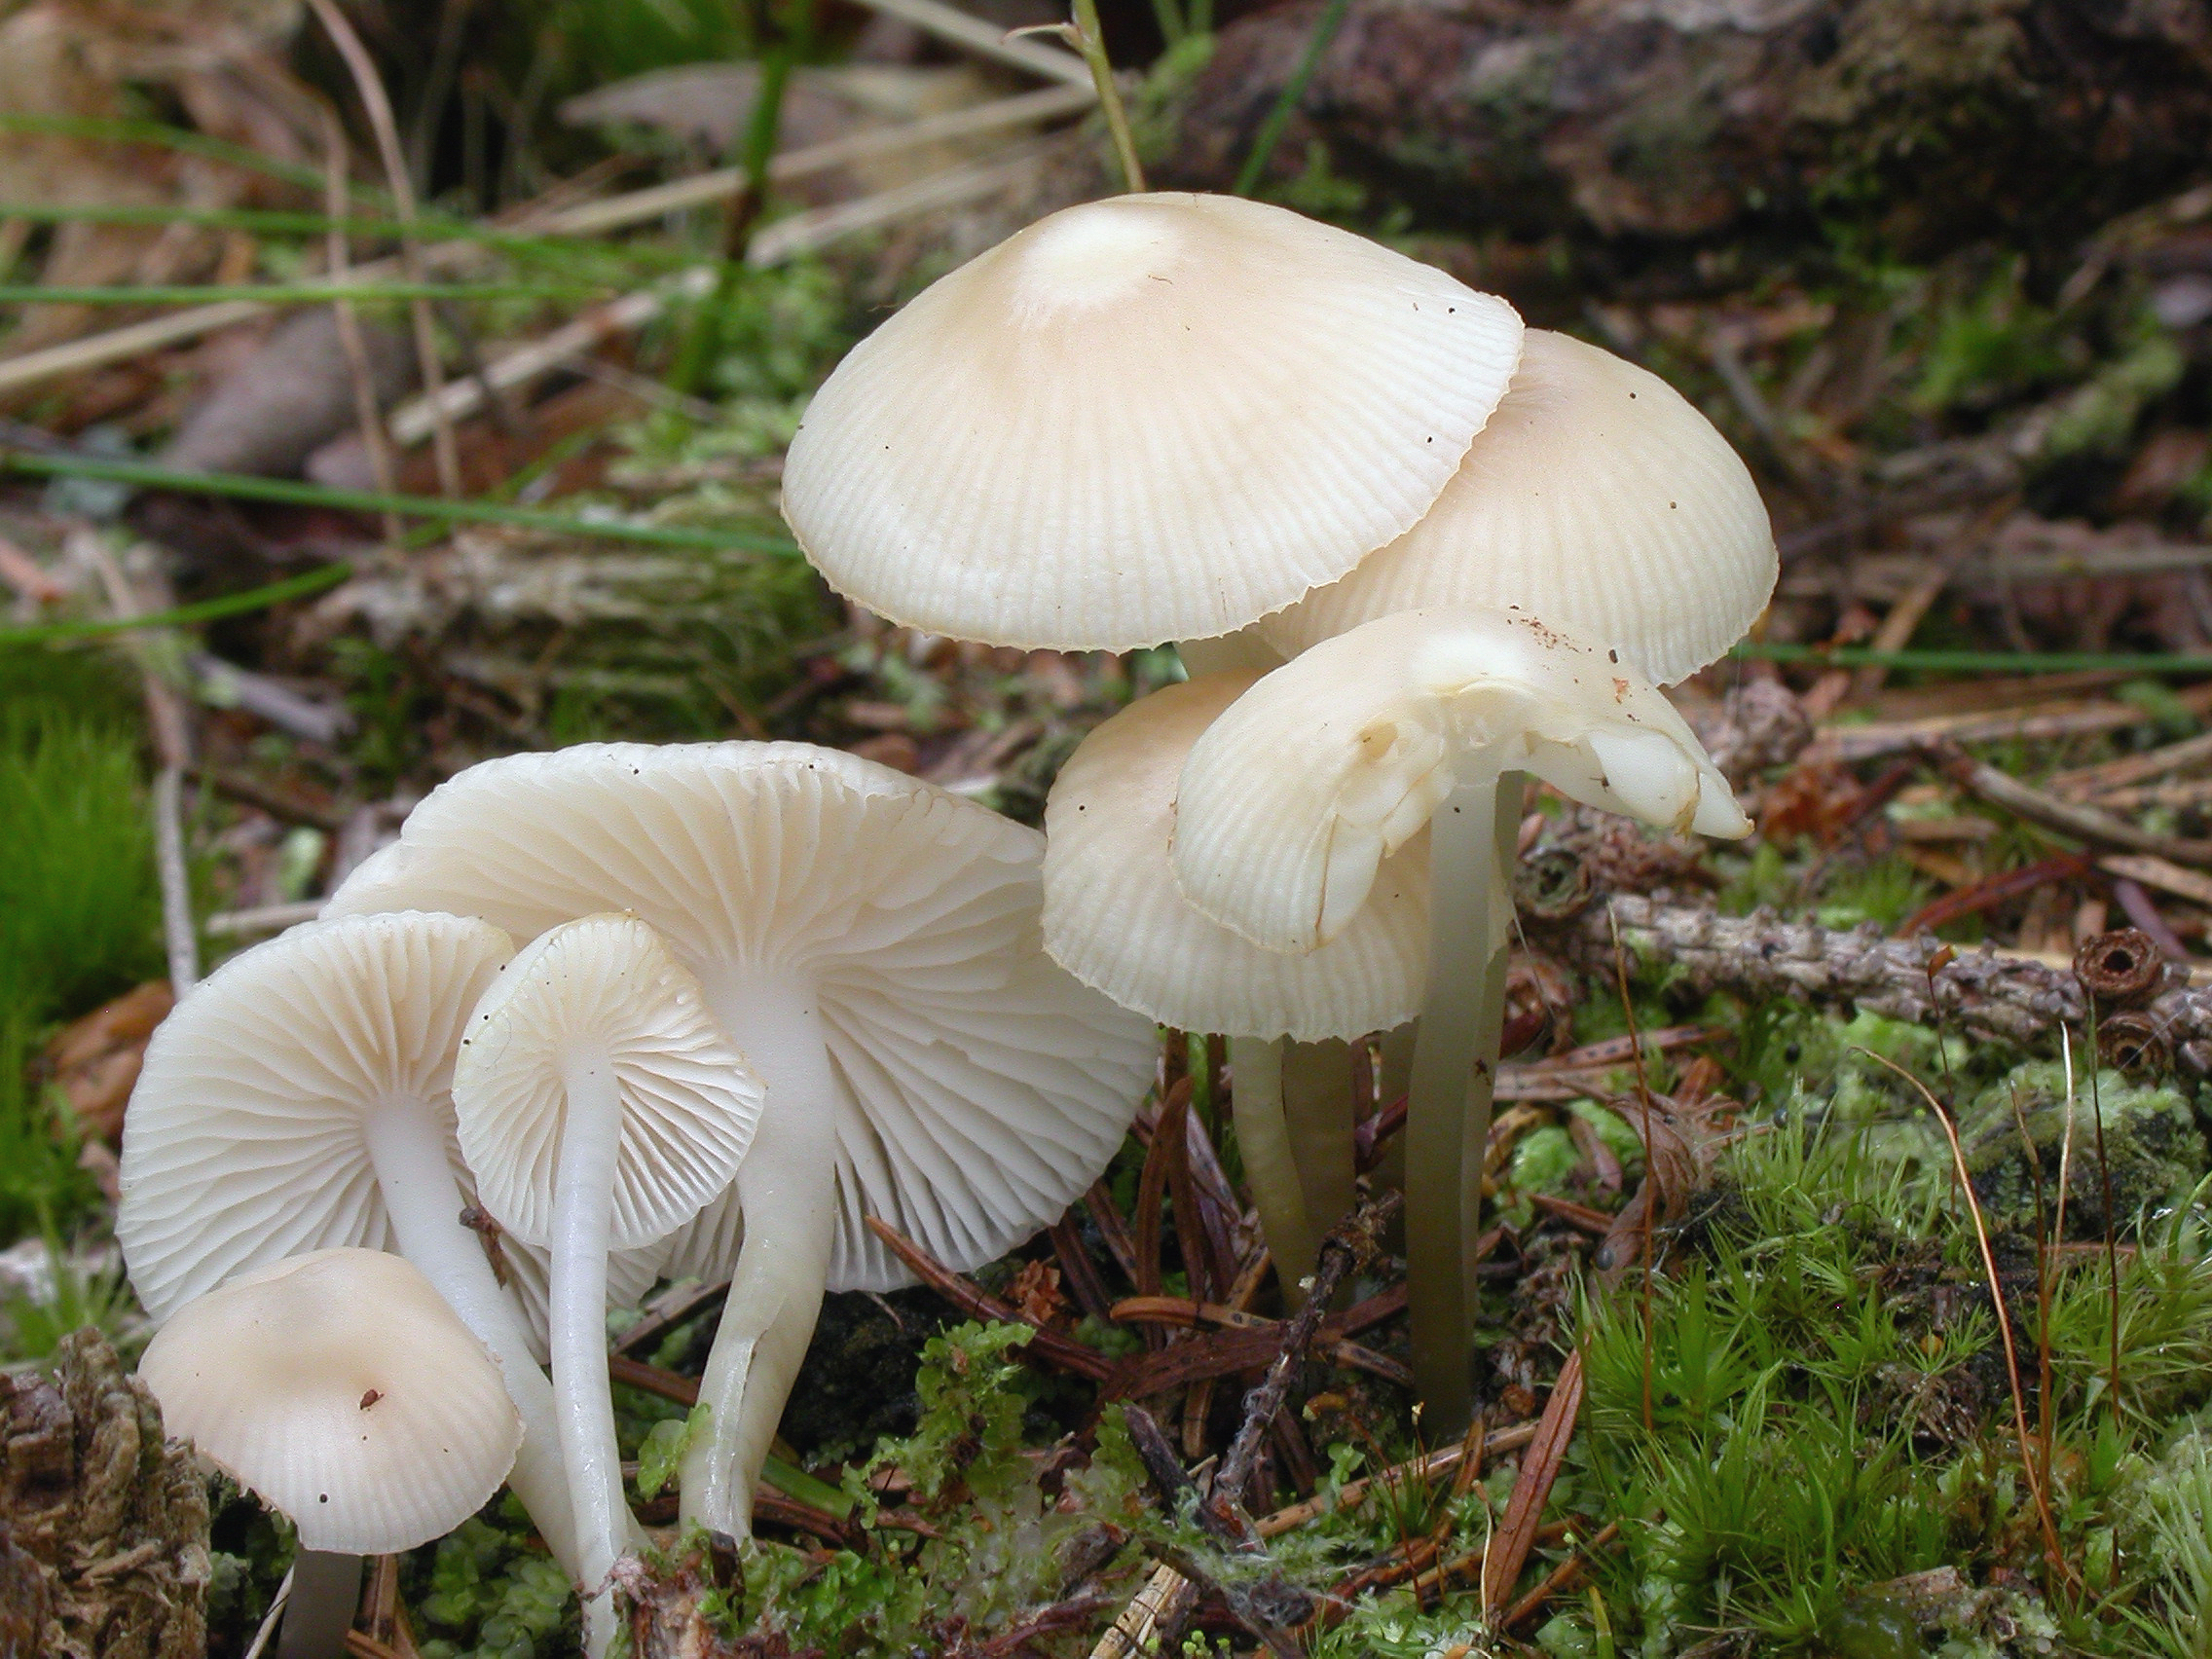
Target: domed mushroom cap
[
  {"x": 1115, "y": 917},
  {"x": 1148, "y": 417},
  {"x": 981, "y": 1089},
  {"x": 602, "y": 991},
  {"x": 1290, "y": 801},
  {"x": 245, "y": 1142},
  {"x": 1598, "y": 498},
  {"x": 342, "y": 1389}
]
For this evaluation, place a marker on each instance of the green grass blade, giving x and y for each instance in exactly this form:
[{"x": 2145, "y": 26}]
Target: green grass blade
[
  {"x": 203, "y": 611},
  {"x": 1976, "y": 662},
  {"x": 290, "y": 293},
  {"x": 143, "y": 476}
]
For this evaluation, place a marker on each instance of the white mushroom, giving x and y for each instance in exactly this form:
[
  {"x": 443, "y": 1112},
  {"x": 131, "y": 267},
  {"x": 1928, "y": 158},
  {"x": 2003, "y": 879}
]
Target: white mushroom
[
  {"x": 1115, "y": 918},
  {"x": 1597, "y": 498},
  {"x": 342, "y": 1388},
  {"x": 298, "y": 1099},
  {"x": 600, "y": 1107},
  {"x": 870, "y": 944},
  {"x": 1149, "y": 418},
  {"x": 1290, "y": 803},
  {"x": 339, "y": 1387}
]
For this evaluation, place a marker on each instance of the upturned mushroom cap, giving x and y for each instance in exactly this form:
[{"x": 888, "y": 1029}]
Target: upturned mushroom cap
[
  {"x": 602, "y": 991},
  {"x": 1290, "y": 801},
  {"x": 981, "y": 1089},
  {"x": 244, "y": 1140},
  {"x": 1149, "y": 418},
  {"x": 1115, "y": 917},
  {"x": 1597, "y": 498},
  {"x": 341, "y": 1388}
]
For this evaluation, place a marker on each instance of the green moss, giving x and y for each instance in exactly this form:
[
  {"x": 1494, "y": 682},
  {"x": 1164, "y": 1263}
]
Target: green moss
[{"x": 2152, "y": 1152}]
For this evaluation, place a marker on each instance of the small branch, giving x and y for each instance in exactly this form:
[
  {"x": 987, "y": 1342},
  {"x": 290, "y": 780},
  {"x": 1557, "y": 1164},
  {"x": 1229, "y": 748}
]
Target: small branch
[
  {"x": 1047, "y": 1345},
  {"x": 2083, "y": 823}
]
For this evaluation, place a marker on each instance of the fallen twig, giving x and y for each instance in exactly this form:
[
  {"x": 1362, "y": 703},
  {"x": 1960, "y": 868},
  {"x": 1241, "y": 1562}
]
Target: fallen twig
[
  {"x": 1048, "y": 1345},
  {"x": 1532, "y": 1488},
  {"x": 1563, "y": 1576},
  {"x": 2084, "y": 822}
]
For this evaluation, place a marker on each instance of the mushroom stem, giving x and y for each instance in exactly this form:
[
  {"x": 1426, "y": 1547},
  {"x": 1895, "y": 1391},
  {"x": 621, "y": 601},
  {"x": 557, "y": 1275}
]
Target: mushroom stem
[
  {"x": 407, "y": 1147},
  {"x": 787, "y": 1192},
  {"x": 1448, "y": 1096},
  {"x": 1271, "y": 1167},
  {"x": 591, "y": 1133},
  {"x": 1318, "y": 1108},
  {"x": 319, "y": 1608}
]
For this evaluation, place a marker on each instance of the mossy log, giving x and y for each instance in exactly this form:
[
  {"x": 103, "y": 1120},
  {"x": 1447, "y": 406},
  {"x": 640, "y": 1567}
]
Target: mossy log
[
  {"x": 1936, "y": 121},
  {"x": 103, "y": 1525}
]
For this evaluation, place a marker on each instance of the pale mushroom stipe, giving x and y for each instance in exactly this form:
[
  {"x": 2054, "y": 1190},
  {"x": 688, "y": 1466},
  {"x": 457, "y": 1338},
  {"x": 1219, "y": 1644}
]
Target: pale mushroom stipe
[
  {"x": 602, "y": 1109},
  {"x": 870, "y": 943}
]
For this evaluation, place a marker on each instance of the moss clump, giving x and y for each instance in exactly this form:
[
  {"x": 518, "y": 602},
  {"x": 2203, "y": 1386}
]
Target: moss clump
[{"x": 2153, "y": 1151}]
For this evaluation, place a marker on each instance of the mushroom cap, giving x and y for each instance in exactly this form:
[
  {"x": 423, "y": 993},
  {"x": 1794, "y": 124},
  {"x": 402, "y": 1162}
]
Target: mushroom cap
[
  {"x": 1115, "y": 917},
  {"x": 341, "y": 1388},
  {"x": 981, "y": 1089},
  {"x": 243, "y": 1143},
  {"x": 1148, "y": 417},
  {"x": 1289, "y": 803},
  {"x": 1598, "y": 498},
  {"x": 602, "y": 991}
]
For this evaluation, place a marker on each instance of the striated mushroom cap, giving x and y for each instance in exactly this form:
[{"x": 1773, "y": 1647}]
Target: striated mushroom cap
[
  {"x": 1149, "y": 418},
  {"x": 340, "y": 1388},
  {"x": 1289, "y": 803},
  {"x": 1597, "y": 498},
  {"x": 1115, "y": 917}
]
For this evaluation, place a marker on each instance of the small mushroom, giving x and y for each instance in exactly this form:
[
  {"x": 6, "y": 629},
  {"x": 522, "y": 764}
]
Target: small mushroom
[
  {"x": 1597, "y": 498},
  {"x": 1148, "y": 417},
  {"x": 1115, "y": 918},
  {"x": 341, "y": 1388},
  {"x": 870, "y": 944},
  {"x": 1290, "y": 803},
  {"x": 298, "y": 1100},
  {"x": 600, "y": 1107}
]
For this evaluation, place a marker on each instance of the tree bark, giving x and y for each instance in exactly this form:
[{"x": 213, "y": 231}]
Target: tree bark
[
  {"x": 103, "y": 1525},
  {"x": 1939, "y": 121}
]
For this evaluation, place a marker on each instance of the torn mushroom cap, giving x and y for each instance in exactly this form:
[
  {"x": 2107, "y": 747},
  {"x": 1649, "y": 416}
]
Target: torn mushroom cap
[
  {"x": 248, "y": 1138},
  {"x": 1291, "y": 801},
  {"x": 342, "y": 1389},
  {"x": 602, "y": 991},
  {"x": 1115, "y": 917},
  {"x": 979, "y": 1089},
  {"x": 1598, "y": 498},
  {"x": 1149, "y": 418}
]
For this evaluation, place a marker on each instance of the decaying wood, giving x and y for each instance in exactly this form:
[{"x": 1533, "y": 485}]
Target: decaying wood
[
  {"x": 1761, "y": 956},
  {"x": 103, "y": 1525},
  {"x": 1687, "y": 119}
]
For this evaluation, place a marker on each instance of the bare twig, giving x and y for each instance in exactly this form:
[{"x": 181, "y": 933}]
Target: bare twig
[
  {"x": 338, "y": 256},
  {"x": 1532, "y": 1488},
  {"x": 2085, "y": 823},
  {"x": 1048, "y": 1346}
]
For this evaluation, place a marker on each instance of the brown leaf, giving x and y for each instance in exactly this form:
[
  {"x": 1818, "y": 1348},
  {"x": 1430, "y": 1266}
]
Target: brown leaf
[{"x": 96, "y": 1061}]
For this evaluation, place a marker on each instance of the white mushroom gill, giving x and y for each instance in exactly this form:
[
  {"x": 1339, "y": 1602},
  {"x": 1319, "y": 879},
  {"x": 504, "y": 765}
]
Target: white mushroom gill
[
  {"x": 870, "y": 944},
  {"x": 1406, "y": 722},
  {"x": 601, "y": 1108}
]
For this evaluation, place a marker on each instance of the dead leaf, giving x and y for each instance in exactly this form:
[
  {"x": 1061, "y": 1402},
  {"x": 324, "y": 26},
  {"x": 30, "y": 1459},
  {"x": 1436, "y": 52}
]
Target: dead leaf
[{"x": 96, "y": 1061}]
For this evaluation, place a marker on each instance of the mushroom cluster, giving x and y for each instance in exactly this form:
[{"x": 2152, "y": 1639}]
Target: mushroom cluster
[
  {"x": 1413, "y": 554},
  {"x": 622, "y": 1012},
  {"x": 766, "y": 992}
]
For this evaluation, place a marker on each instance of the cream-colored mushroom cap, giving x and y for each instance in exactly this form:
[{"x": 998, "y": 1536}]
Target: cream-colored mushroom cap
[
  {"x": 1598, "y": 498},
  {"x": 1148, "y": 417},
  {"x": 979, "y": 1087},
  {"x": 602, "y": 992},
  {"x": 1289, "y": 803},
  {"x": 1115, "y": 918},
  {"x": 342, "y": 1389},
  {"x": 248, "y": 1134}
]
